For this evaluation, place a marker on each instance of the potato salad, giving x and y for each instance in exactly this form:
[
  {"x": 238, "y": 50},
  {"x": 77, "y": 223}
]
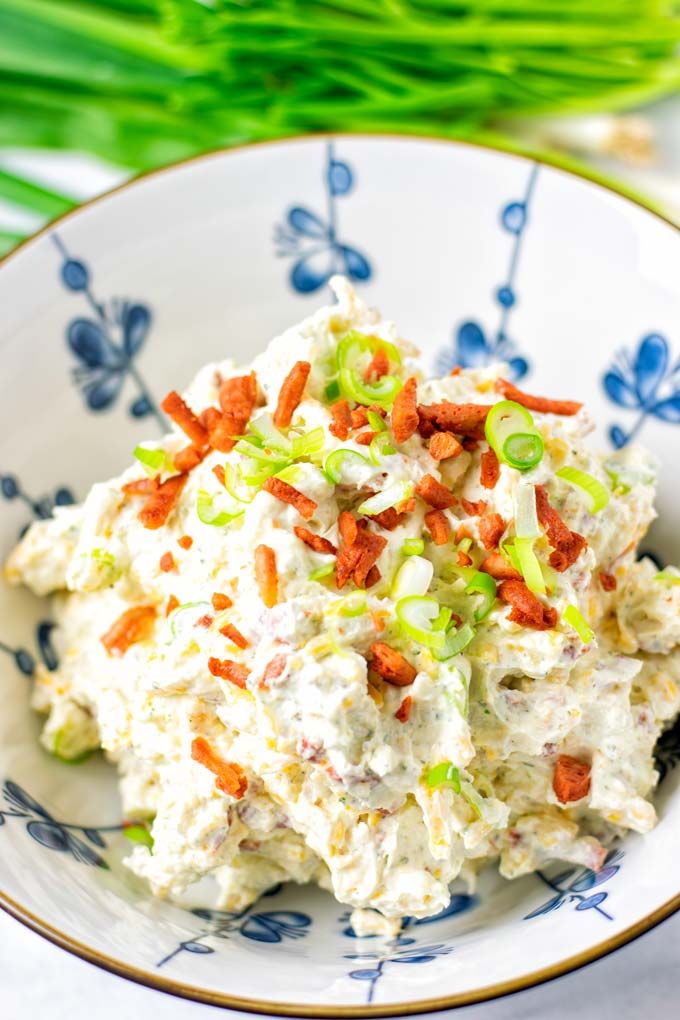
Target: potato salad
[{"x": 349, "y": 625}]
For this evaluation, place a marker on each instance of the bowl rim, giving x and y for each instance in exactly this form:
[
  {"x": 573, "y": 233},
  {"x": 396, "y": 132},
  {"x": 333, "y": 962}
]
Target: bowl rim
[{"x": 484, "y": 993}]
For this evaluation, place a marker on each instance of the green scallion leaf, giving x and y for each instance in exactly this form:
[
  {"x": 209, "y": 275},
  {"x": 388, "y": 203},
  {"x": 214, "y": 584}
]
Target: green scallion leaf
[{"x": 443, "y": 775}]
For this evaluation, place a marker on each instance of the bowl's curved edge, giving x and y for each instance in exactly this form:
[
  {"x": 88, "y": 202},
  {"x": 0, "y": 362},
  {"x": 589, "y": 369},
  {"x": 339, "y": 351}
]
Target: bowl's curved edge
[{"x": 484, "y": 994}]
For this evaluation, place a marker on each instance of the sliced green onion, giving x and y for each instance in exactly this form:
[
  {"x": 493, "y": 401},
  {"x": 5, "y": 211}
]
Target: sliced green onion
[
  {"x": 668, "y": 578},
  {"x": 337, "y": 461},
  {"x": 456, "y": 641},
  {"x": 416, "y": 614},
  {"x": 265, "y": 430},
  {"x": 255, "y": 473},
  {"x": 597, "y": 494},
  {"x": 353, "y": 605},
  {"x": 153, "y": 461},
  {"x": 465, "y": 544},
  {"x": 177, "y": 615},
  {"x": 379, "y": 447},
  {"x": 138, "y": 834},
  {"x": 60, "y": 750},
  {"x": 574, "y": 618},
  {"x": 526, "y": 518},
  {"x": 332, "y": 391},
  {"x": 472, "y": 797},
  {"x": 413, "y": 547},
  {"x": 349, "y": 354},
  {"x": 511, "y": 433},
  {"x": 413, "y": 578},
  {"x": 393, "y": 495},
  {"x": 311, "y": 442},
  {"x": 209, "y": 513},
  {"x": 266, "y": 456},
  {"x": 509, "y": 551},
  {"x": 443, "y": 620},
  {"x": 231, "y": 483},
  {"x": 484, "y": 585},
  {"x": 376, "y": 421},
  {"x": 529, "y": 567},
  {"x": 445, "y": 774},
  {"x": 325, "y": 571},
  {"x": 292, "y": 474}
]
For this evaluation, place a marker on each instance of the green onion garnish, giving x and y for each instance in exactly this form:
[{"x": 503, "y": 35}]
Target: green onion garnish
[
  {"x": 351, "y": 351},
  {"x": 176, "y": 616},
  {"x": 209, "y": 513},
  {"x": 266, "y": 455},
  {"x": 413, "y": 547},
  {"x": 456, "y": 641},
  {"x": 413, "y": 577},
  {"x": 60, "y": 749},
  {"x": 353, "y": 605},
  {"x": 511, "y": 433},
  {"x": 254, "y": 473},
  {"x": 325, "y": 571},
  {"x": 393, "y": 495},
  {"x": 231, "y": 485},
  {"x": 484, "y": 585},
  {"x": 138, "y": 834},
  {"x": 529, "y": 567},
  {"x": 574, "y": 618},
  {"x": 376, "y": 421},
  {"x": 667, "y": 577},
  {"x": 444, "y": 774},
  {"x": 332, "y": 391},
  {"x": 526, "y": 518},
  {"x": 153, "y": 461},
  {"x": 416, "y": 615},
  {"x": 338, "y": 461},
  {"x": 292, "y": 474},
  {"x": 270, "y": 437},
  {"x": 379, "y": 447},
  {"x": 596, "y": 492},
  {"x": 311, "y": 442}
]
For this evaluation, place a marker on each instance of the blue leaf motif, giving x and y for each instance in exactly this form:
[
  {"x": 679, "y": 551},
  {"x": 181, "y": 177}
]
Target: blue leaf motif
[
  {"x": 44, "y": 638},
  {"x": 197, "y": 947},
  {"x": 620, "y": 390},
  {"x": 136, "y": 322},
  {"x": 48, "y": 834},
  {"x": 88, "y": 342},
  {"x": 18, "y": 797},
  {"x": 313, "y": 271},
  {"x": 591, "y": 879},
  {"x": 513, "y": 217},
  {"x": 668, "y": 410},
  {"x": 141, "y": 407},
  {"x": 473, "y": 349},
  {"x": 307, "y": 223},
  {"x": 216, "y": 916},
  {"x": 101, "y": 393},
  {"x": 546, "y": 908},
  {"x": 75, "y": 275},
  {"x": 82, "y": 852},
  {"x": 650, "y": 365},
  {"x": 364, "y": 975},
  {"x": 618, "y": 437},
  {"x": 458, "y": 904},
  {"x": 274, "y": 925},
  {"x": 94, "y": 837},
  {"x": 340, "y": 178},
  {"x": 356, "y": 266},
  {"x": 592, "y": 901},
  {"x": 518, "y": 368}
]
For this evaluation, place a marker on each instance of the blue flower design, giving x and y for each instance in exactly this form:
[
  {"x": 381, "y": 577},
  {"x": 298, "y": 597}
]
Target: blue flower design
[
  {"x": 25, "y": 660},
  {"x": 645, "y": 382},
  {"x": 313, "y": 239},
  {"x": 271, "y": 926},
  {"x": 42, "y": 827},
  {"x": 106, "y": 344},
  {"x": 402, "y": 948},
  {"x": 579, "y": 882},
  {"x": 40, "y": 507},
  {"x": 472, "y": 348}
]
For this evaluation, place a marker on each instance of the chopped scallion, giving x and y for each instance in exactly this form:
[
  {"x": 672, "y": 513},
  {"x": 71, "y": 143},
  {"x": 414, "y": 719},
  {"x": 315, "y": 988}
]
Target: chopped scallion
[
  {"x": 413, "y": 547},
  {"x": 529, "y": 567},
  {"x": 574, "y": 618},
  {"x": 443, "y": 775},
  {"x": 595, "y": 492}
]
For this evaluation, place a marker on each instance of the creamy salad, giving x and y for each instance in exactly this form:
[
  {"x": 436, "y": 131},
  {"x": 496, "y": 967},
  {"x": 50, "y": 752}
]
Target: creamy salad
[{"x": 349, "y": 625}]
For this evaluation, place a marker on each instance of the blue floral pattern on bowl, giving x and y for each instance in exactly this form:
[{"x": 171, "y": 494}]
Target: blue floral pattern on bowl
[
  {"x": 645, "y": 382},
  {"x": 579, "y": 881}
]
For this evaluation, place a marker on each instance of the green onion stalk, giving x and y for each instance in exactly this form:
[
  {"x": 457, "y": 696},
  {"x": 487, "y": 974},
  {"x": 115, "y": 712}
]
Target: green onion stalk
[{"x": 142, "y": 83}]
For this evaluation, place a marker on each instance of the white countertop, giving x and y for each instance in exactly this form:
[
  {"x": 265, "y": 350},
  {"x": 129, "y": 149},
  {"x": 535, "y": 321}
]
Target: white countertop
[{"x": 40, "y": 982}]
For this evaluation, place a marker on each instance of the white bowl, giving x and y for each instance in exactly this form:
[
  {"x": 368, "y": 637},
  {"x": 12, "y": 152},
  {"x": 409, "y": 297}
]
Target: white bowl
[{"x": 477, "y": 255}]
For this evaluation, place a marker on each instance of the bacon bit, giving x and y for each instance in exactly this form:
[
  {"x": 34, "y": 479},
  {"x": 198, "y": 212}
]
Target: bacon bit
[
  {"x": 491, "y": 469},
  {"x": 227, "y": 669},
  {"x": 378, "y": 366},
  {"x": 444, "y": 446},
  {"x": 462, "y": 419},
  {"x": 274, "y": 669},
  {"x": 463, "y": 559},
  {"x": 541, "y": 404},
  {"x": 359, "y": 417},
  {"x": 267, "y": 576},
  {"x": 229, "y": 777},
  {"x": 204, "y": 621},
  {"x": 160, "y": 503},
  {"x": 491, "y": 527},
  {"x": 348, "y": 560},
  {"x": 221, "y": 429},
  {"x": 405, "y": 418},
  {"x": 180, "y": 412},
  {"x": 568, "y": 545},
  {"x": 474, "y": 509},
  {"x": 456, "y": 370},
  {"x": 171, "y": 605},
  {"x": 391, "y": 665},
  {"x": 434, "y": 493},
  {"x": 361, "y": 549},
  {"x": 141, "y": 487},
  {"x": 377, "y": 619},
  {"x": 372, "y": 577},
  {"x": 499, "y": 568},
  {"x": 371, "y": 546},
  {"x": 469, "y": 443},
  {"x": 167, "y": 562},
  {"x": 608, "y": 582},
  {"x": 287, "y": 494},
  {"x": 188, "y": 458},
  {"x": 391, "y": 518},
  {"x": 238, "y": 396},
  {"x": 290, "y": 394},
  {"x": 404, "y": 711},
  {"x": 365, "y": 438},
  {"x": 527, "y": 610},
  {"x": 315, "y": 542},
  {"x": 221, "y": 602},
  {"x": 235, "y": 635},
  {"x": 132, "y": 626},
  {"x": 342, "y": 420},
  {"x": 185, "y": 542},
  {"x": 438, "y": 526},
  {"x": 218, "y": 472},
  {"x": 462, "y": 532},
  {"x": 458, "y": 620},
  {"x": 571, "y": 779},
  {"x": 349, "y": 527}
]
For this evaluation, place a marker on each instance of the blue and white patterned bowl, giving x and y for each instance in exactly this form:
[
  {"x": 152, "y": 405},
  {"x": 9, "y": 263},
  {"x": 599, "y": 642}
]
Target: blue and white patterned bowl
[{"x": 477, "y": 255}]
